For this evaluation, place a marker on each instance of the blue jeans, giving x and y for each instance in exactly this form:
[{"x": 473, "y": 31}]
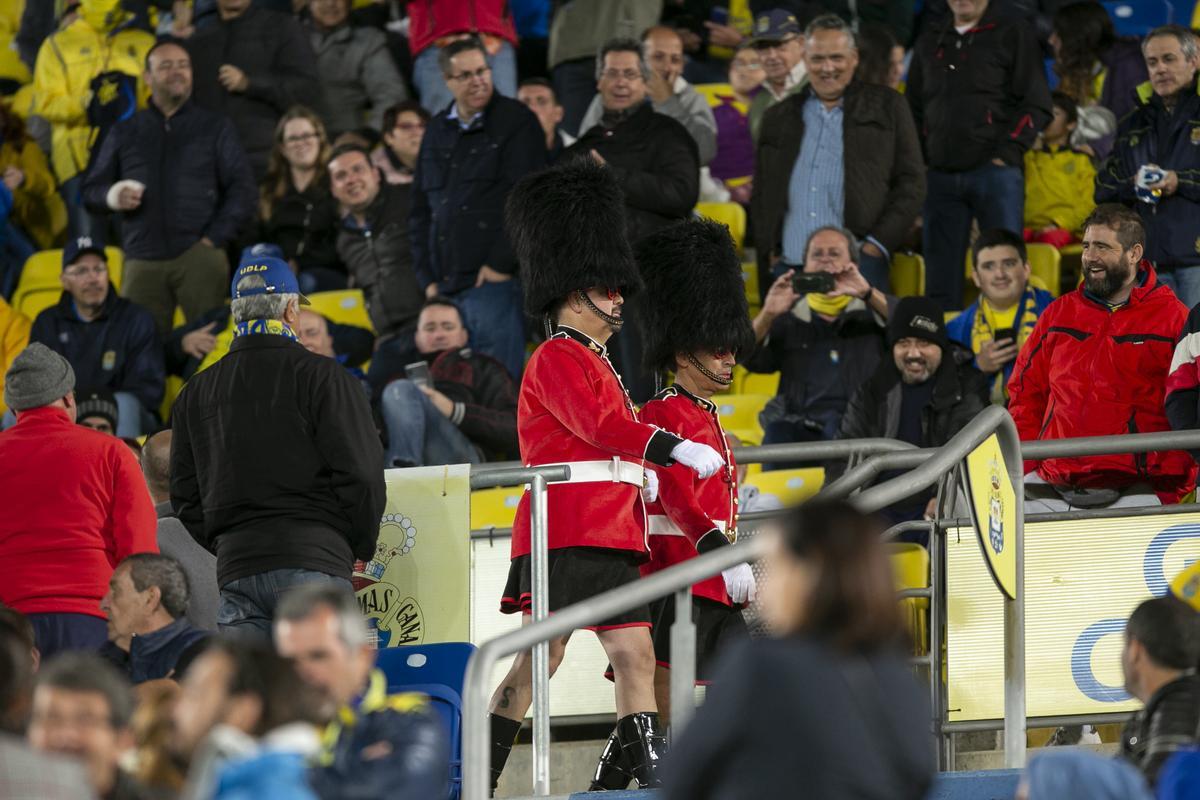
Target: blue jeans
[
  {"x": 132, "y": 419},
  {"x": 993, "y": 195},
  {"x": 574, "y": 86},
  {"x": 15, "y": 251},
  {"x": 419, "y": 434},
  {"x": 248, "y": 604},
  {"x": 494, "y": 317},
  {"x": 431, "y": 86},
  {"x": 1185, "y": 281},
  {"x": 876, "y": 270}
]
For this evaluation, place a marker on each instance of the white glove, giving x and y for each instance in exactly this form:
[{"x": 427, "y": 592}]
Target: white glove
[
  {"x": 650, "y": 490},
  {"x": 740, "y": 583},
  {"x": 700, "y": 457}
]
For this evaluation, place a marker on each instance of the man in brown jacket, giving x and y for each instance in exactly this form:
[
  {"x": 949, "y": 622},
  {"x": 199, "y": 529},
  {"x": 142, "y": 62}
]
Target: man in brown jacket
[{"x": 805, "y": 178}]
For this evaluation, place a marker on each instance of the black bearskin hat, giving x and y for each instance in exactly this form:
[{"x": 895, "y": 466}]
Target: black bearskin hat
[
  {"x": 567, "y": 227},
  {"x": 695, "y": 296}
]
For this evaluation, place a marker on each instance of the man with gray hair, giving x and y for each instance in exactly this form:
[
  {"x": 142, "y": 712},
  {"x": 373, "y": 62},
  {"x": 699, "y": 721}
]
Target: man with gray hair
[
  {"x": 275, "y": 465},
  {"x": 148, "y": 635},
  {"x": 837, "y": 152},
  {"x": 379, "y": 744},
  {"x": 1154, "y": 164}
]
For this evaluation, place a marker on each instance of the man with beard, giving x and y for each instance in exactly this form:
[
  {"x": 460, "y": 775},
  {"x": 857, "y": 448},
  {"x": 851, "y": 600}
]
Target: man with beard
[
  {"x": 1096, "y": 364},
  {"x": 924, "y": 394}
]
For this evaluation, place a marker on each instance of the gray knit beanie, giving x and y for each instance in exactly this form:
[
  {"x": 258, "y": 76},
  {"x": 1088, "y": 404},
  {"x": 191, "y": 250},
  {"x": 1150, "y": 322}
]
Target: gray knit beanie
[{"x": 38, "y": 376}]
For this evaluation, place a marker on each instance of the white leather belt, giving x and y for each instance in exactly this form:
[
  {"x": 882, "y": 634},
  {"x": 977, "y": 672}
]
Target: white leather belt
[
  {"x": 612, "y": 471},
  {"x": 662, "y": 525}
]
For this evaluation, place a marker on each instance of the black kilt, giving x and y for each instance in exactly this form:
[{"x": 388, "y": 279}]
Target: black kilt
[{"x": 577, "y": 574}]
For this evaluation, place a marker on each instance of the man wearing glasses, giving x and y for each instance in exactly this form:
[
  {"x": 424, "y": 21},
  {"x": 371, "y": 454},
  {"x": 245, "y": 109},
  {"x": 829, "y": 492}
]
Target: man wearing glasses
[
  {"x": 178, "y": 177},
  {"x": 108, "y": 341},
  {"x": 780, "y": 45},
  {"x": 472, "y": 154}
]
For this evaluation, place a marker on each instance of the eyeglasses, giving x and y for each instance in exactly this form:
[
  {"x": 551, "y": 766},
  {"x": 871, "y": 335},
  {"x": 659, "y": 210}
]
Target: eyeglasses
[
  {"x": 300, "y": 138},
  {"x": 629, "y": 75},
  {"x": 463, "y": 77},
  {"x": 80, "y": 271},
  {"x": 747, "y": 65}
]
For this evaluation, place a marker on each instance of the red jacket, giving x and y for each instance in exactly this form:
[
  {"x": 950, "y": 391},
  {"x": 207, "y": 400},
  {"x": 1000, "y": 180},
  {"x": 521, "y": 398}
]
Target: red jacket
[
  {"x": 1089, "y": 371},
  {"x": 573, "y": 408},
  {"x": 694, "y": 505},
  {"x": 430, "y": 20},
  {"x": 74, "y": 505}
]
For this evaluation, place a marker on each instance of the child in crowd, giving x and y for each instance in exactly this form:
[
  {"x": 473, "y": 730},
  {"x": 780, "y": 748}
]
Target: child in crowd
[
  {"x": 1059, "y": 181},
  {"x": 733, "y": 165}
]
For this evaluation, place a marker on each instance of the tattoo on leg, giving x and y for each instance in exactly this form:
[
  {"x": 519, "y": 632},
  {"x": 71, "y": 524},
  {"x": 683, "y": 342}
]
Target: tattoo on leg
[{"x": 506, "y": 697}]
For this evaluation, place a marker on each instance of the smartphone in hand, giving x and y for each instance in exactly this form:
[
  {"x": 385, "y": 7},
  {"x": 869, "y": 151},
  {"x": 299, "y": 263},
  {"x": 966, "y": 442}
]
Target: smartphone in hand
[{"x": 418, "y": 373}]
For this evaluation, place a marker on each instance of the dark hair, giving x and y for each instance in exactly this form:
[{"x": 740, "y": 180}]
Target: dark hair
[
  {"x": 279, "y": 171},
  {"x": 997, "y": 237},
  {"x": 442, "y": 300},
  {"x": 88, "y": 672},
  {"x": 348, "y": 147},
  {"x": 155, "y": 569},
  {"x": 1122, "y": 219},
  {"x": 622, "y": 45},
  {"x": 16, "y": 668},
  {"x": 161, "y": 42},
  {"x": 392, "y": 114},
  {"x": 12, "y": 127},
  {"x": 1068, "y": 105},
  {"x": 875, "y": 43},
  {"x": 1086, "y": 33},
  {"x": 853, "y": 605},
  {"x": 1169, "y": 629},
  {"x": 459, "y": 47},
  {"x": 542, "y": 82},
  {"x": 260, "y": 672}
]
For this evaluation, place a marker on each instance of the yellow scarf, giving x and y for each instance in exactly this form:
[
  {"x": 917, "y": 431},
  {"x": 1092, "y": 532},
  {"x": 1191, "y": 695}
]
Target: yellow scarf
[
  {"x": 988, "y": 320},
  {"x": 829, "y": 306}
]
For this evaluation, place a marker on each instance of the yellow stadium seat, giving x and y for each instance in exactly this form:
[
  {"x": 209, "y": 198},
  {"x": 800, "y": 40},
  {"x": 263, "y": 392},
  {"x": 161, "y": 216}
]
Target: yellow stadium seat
[
  {"x": 747, "y": 437},
  {"x": 910, "y": 567},
  {"x": 791, "y": 486},
  {"x": 173, "y": 387},
  {"x": 712, "y": 92},
  {"x": 346, "y": 307},
  {"x": 40, "y": 287},
  {"x": 1045, "y": 267},
  {"x": 907, "y": 274},
  {"x": 494, "y": 508},
  {"x": 731, "y": 215},
  {"x": 739, "y": 412},
  {"x": 760, "y": 383},
  {"x": 750, "y": 278}
]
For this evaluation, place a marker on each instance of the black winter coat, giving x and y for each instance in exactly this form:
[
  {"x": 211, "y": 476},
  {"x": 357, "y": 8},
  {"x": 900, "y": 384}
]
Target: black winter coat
[
  {"x": 655, "y": 160},
  {"x": 1150, "y": 135},
  {"x": 305, "y": 224},
  {"x": 275, "y": 462},
  {"x": 379, "y": 261},
  {"x": 978, "y": 95},
  {"x": 461, "y": 183},
  {"x": 273, "y": 51},
  {"x": 884, "y": 172},
  {"x": 485, "y": 400},
  {"x": 196, "y": 176},
  {"x": 1170, "y": 722}
]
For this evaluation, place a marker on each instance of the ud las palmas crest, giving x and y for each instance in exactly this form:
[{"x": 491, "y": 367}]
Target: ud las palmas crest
[
  {"x": 995, "y": 508},
  {"x": 394, "y": 617}
]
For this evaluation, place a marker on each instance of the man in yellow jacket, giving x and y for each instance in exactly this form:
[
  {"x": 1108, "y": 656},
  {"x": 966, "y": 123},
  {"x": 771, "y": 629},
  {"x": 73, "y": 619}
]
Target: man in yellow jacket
[{"x": 98, "y": 44}]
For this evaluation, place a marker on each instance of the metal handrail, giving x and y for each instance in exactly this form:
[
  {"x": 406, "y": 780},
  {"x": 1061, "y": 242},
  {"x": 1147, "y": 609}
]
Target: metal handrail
[{"x": 678, "y": 580}]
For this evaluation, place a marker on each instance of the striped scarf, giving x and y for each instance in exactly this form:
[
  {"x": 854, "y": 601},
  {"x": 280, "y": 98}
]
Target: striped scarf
[
  {"x": 981, "y": 331},
  {"x": 276, "y": 327}
]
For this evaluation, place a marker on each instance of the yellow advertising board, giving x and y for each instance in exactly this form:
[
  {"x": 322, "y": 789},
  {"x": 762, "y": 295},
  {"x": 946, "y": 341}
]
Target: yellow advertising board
[
  {"x": 1082, "y": 579},
  {"x": 416, "y": 590},
  {"x": 994, "y": 511}
]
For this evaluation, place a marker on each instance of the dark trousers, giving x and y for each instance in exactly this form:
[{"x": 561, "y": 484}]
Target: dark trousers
[
  {"x": 574, "y": 86},
  {"x": 993, "y": 195},
  {"x": 60, "y": 633}
]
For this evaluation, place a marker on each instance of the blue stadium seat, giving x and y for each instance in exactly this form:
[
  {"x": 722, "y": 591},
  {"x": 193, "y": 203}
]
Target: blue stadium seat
[
  {"x": 436, "y": 670},
  {"x": 1139, "y": 17}
]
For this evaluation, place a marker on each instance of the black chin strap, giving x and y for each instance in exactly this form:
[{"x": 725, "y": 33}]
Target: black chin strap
[
  {"x": 616, "y": 322},
  {"x": 708, "y": 373}
]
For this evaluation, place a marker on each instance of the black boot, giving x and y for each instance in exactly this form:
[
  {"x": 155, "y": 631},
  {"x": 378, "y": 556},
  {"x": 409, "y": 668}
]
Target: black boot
[
  {"x": 644, "y": 744},
  {"x": 612, "y": 771},
  {"x": 504, "y": 734}
]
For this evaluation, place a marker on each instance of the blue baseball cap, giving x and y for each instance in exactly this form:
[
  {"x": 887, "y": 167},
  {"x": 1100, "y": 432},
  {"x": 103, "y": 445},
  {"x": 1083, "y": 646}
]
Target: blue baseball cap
[
  {"x": 276, "y": 274},
  {"x": 262, "y": 249},
  {"x": 78, "y": 247},
  {"x": 774, "y": 26}
]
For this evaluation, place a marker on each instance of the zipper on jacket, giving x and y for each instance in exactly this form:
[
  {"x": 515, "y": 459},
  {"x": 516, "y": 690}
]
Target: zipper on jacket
[{"x": 1046, "y": 422}]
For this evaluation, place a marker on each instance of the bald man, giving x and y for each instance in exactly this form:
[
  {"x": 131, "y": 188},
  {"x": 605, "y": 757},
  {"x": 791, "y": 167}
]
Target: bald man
[
  {"x": 669, "y": 93},
  {"x": 199, "y": 565}
]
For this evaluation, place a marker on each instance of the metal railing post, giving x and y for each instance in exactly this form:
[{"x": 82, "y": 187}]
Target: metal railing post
[
  {"x": 683, "y": 661},
  {"x": 540, "y": 555},
  {"x": 1014, "y": 608}
]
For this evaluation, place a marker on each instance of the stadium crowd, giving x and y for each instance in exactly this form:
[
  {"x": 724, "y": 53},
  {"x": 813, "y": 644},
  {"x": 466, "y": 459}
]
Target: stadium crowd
[{"x": 190, "y": 190}]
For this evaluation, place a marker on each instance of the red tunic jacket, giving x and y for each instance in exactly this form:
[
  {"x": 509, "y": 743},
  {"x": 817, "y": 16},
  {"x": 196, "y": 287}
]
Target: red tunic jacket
[
  {"x": 1089, "y": 371},
  {"x": 572, "y": 408},
  {"x": 695, "y": 506}
]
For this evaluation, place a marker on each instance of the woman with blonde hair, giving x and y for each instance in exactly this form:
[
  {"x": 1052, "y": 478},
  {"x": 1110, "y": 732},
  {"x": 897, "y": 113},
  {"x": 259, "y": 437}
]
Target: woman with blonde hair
[
  {"x": 295, "y": 206},
  {"x": 827, "y": 706}
]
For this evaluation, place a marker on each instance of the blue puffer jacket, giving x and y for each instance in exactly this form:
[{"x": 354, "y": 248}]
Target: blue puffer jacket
[{"x": 1149, "y": 135}]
